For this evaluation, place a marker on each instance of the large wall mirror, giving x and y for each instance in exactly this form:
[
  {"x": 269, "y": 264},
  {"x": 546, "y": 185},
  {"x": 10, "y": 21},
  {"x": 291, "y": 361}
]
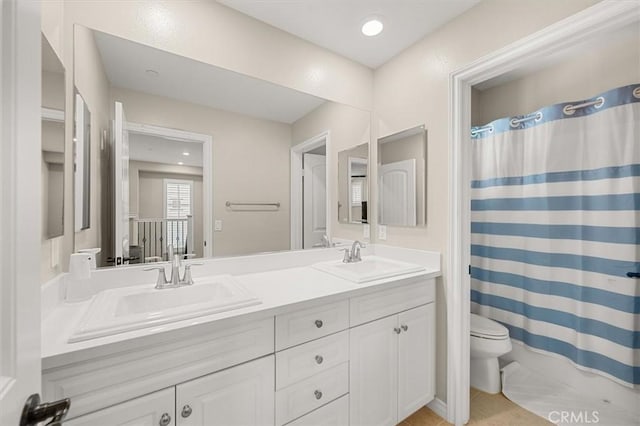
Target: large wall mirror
[
  {"x": 402, "y": 178},
  {"x": 353, "y": 184},
  {"x": 201, "y": 159},
  {"x": 53, "y": 136}
]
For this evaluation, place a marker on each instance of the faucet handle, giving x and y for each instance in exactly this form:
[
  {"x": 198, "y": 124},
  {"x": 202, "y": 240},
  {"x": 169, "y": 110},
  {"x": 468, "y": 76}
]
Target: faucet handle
[
  {"x": 188, "y": 279},
  {"x": 347, "y": 255},
  {"x": 162, "y": 277}
]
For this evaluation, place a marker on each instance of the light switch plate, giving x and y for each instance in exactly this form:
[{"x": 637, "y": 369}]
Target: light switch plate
[
  {"x": 366, "y": 231},
  {"x": 382, "y": 232},
  {"x": 217, "y": 225}
]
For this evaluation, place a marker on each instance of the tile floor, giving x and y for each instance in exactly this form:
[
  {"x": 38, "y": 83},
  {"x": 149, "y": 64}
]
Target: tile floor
[{"x": 486, "y": 410}]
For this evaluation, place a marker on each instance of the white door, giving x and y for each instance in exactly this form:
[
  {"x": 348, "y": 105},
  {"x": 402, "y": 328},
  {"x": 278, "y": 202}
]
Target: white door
[
  {"x": 121, "y": 185},
  {"x": 20, "y": 157},
  {"x": 155, "y": 409},
  {"x": 239, "y": 396},
  {"x": 373, "y": 373},
  {"x": 416, "y": 359},
  {"x": 398, "y": 193},
  {"x": 315, "y": 199}
]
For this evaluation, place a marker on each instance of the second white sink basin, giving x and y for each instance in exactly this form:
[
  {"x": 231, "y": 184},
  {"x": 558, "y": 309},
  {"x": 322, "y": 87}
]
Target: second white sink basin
[
  {"x": 132, "y": 308},
  {"x": 368, "y": 269}
]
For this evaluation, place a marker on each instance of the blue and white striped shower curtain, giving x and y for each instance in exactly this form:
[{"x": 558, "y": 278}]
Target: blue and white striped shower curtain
[{"x": 555, "y": 230}]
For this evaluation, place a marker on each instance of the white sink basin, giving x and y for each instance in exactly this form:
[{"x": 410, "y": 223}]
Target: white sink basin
[
  {"x": 132, "y": 308},
  {"x": 370, "y": 268}
]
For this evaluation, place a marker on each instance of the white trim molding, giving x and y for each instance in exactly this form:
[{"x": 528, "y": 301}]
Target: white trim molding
[
  {"x": 589, "y": 24},
  {"x": 297, "y": 151},
  {"x": 207, "y": 170},
  {"x": 439, "y": 407},
  {"x": 21, "y": 208}
]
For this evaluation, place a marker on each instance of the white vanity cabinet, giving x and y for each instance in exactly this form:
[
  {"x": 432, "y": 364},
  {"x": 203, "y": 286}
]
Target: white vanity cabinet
[
  {"x": 392, "y": 367},
  {"x": 362, "y": 360},
  {"x": 238, "y": 396}
]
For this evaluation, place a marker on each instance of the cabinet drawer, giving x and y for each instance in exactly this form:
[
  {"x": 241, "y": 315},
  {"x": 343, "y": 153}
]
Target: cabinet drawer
[
  {"x": 309, "y": 394},
  {"x": 300, "y": 362},
  {"x": 380, "y": 304},
  {"x": 146, "y": 410},
  {"x": 335, "y": 413},
  {"x": 309, "y": 324}
]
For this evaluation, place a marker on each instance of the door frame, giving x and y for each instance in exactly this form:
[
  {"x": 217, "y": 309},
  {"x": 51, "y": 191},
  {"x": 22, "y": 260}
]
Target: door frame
[
  {"x": 594, "y": 21},
  {"x": 297, "y": 211},
  {"x": 207, "y": 171},
  {"x": 21, "y": 209}
]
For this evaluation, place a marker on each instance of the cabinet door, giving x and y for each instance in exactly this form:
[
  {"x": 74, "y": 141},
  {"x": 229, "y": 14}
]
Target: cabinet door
[
  {"x": 416, "y": 359},
  {"x": 374, "y": 373},
  {"x": 238, "y": 396},
  {"x": 155, "y": 409}
]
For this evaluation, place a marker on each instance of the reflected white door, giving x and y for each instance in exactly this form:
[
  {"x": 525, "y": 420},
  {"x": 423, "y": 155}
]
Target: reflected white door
[
  {"x": 121, "y": 185},
  {"x": 20, "y": 210},
  {"x": 398, "y": 193},
  {"x": 315, "y": 199}
]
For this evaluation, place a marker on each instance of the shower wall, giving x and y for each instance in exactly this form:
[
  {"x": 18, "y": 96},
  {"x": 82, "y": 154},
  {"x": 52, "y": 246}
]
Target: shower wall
[{"x": 594, "y": 69}]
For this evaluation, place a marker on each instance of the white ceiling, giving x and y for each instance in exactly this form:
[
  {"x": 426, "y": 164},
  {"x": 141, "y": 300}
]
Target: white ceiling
[
  {"x": 154, "y": 149},
  {"x": 184, "y": 79},
  {"x": 336, "y": 24}
]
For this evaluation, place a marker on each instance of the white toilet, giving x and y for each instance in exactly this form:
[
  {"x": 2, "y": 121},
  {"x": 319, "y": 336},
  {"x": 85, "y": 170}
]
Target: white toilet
[{"x": 489, "y": 340}]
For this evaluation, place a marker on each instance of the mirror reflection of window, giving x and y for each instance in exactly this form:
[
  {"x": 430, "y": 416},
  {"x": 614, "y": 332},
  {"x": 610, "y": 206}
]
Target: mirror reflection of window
[{"x": 178, "y": 204}]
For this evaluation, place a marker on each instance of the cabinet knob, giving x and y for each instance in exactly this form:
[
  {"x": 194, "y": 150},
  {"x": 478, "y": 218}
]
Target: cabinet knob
[
  {"x": 318, "y": 394},
  {"x": 186, "y": 411},
  {"x": 319, "y": 359},
  {"x": 404, "y": 327},
  {"x": 397, "y": 330},
  {"x": 165, "y": 419},
  {"x": 319, "y": 323}
]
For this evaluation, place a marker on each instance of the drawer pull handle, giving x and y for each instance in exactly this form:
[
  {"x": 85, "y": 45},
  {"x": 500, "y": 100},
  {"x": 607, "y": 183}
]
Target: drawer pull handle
[
  {"x": 319, "y": 359},
  {"x": 165, "y": 419},
  {"x": 319, "y": 323},
  {"x": 397, "y": 330},
  {"x": 404, "y": 327},
  {"x": 318, "y": 394},
  {"x": 186, "y": 411}
]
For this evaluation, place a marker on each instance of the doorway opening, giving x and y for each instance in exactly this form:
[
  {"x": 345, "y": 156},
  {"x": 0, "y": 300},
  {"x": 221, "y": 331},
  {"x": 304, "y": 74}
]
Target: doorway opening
[
  {"x": 310, "y": 210},
  {"x": 170, "y": 171}
]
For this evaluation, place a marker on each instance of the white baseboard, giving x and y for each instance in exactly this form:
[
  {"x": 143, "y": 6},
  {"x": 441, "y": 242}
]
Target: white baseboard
[{"x": 439, "y": 407}]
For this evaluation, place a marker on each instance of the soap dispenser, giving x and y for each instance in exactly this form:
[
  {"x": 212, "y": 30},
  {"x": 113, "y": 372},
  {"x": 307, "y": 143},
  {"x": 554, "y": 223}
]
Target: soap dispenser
[{"x": 78, "y": 280}]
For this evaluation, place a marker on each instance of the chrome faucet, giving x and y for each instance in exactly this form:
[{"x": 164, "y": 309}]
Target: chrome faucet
[
  {"x": 325, "y": 242},
  {"x": 175, "y": 280},
  {"x": 355, "y": 251},
  {"x": 353, "y": 255}
]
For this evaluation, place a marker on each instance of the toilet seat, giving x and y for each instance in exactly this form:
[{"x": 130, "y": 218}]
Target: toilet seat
[{"x": 487, "y": 328}]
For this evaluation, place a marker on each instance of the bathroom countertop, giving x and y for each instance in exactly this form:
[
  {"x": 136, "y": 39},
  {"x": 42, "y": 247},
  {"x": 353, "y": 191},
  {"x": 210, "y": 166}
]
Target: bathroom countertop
[{"x": 282, "y": 290}]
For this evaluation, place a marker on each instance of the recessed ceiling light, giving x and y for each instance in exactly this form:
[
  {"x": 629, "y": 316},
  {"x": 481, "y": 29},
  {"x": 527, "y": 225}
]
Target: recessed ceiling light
[
  {"x": 152, "y": 73},
  {"x": 372, "y": 27},
  {"x": 180, "y": 163},
  {"x": 186, "y": 154}
]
